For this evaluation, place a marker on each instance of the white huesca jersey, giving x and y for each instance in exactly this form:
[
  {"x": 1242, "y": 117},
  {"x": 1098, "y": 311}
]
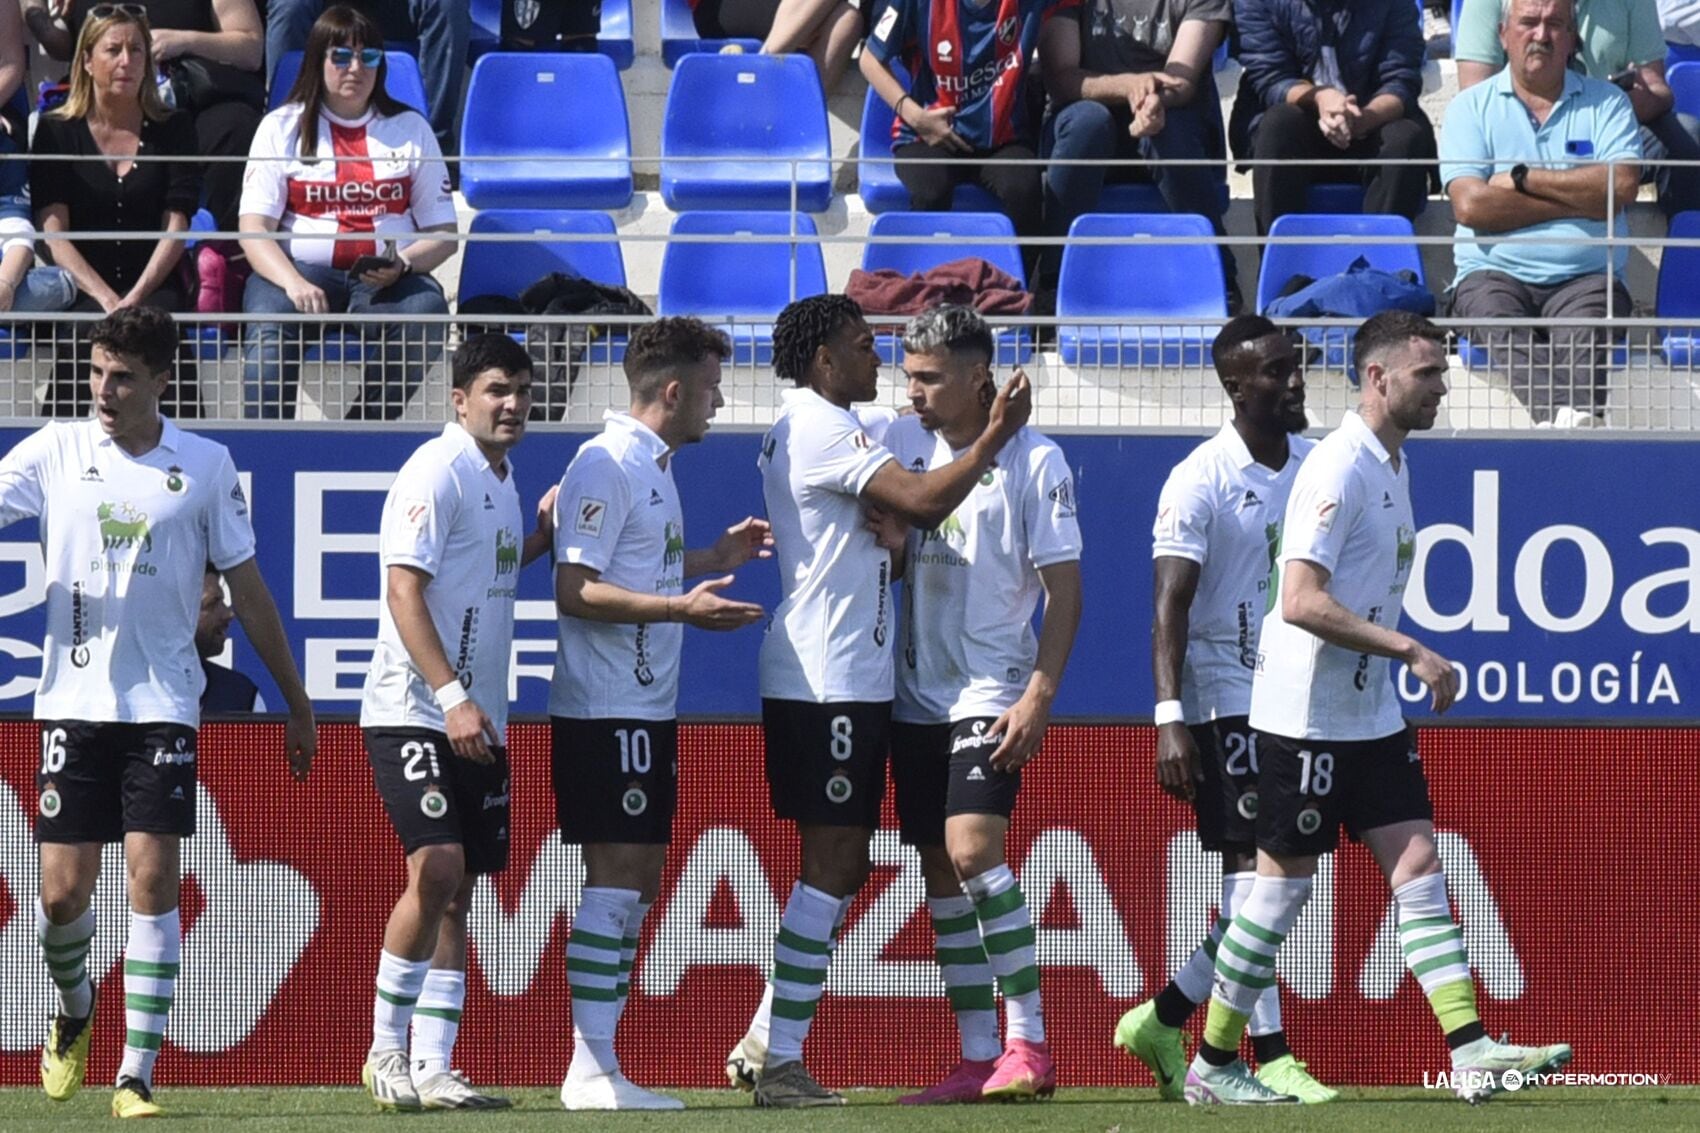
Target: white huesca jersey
[
  {"x": 392, "y": 183},
  {"x": 1222, "y": 510},
  {"x": 618, "y": 514},
  {"x": 1350, "y": 513},
  {"x": 126, "y": 541},
  {"x": 972, "y": 584},
  {"x": 830, "y": 638},
  {"x": 450, "y": 515}
]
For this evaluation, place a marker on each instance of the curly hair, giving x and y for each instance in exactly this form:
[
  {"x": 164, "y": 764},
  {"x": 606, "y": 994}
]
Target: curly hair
[
  {"x": 656, "y": 349},
  {"x": 803, "y": 328}
]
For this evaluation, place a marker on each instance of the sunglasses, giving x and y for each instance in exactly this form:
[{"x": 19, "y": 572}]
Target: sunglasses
[
  {"x": 342, "y": 58},
  {"x": 107, "y": 11}
]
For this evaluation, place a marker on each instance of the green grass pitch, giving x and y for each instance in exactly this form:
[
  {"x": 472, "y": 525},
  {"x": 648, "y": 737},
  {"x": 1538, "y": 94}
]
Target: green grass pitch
[{"x": 287, "y": 1110}]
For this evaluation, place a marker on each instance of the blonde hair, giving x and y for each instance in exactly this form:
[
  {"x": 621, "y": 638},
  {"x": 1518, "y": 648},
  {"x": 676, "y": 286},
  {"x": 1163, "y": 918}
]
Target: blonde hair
[{"x": 81, "y": 99}]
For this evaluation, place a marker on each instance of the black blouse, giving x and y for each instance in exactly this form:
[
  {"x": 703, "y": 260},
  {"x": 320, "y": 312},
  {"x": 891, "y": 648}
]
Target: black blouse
[{"x": 101, "y": 201}]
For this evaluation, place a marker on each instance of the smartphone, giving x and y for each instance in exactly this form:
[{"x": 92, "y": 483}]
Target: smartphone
[
  {"x": 370, "y": 263},
  {"x": 1624, "y": 79}
]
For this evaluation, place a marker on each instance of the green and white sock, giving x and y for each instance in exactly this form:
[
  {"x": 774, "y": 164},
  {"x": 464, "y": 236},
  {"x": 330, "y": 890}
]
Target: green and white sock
[
  {"x": 593, "y": 974},
  {"x": 1245, "y": 961},
  {"x": 436, "y": 1022},
  {"x": 150, "y": 983},
  {"x": 1434, "y": 951},
  {"x": 399, "y": 984},
  {"x": 65, "y": 950},
  {"x": 628, "y": 955},
  {"x": 967, "y": 975},
  {"x": 801, "y": 955},
  {"x": 1007, "y": 930}
]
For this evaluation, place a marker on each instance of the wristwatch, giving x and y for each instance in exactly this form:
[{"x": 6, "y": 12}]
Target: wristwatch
[{"x": 1519, "y": 177}]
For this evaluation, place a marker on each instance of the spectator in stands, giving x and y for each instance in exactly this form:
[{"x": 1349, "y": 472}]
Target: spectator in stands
[
  {"x": 1522, "y": 155},
  {"x": 828, "y": 30},
  {"x": 227, "y": 690},
  {"x": 1620, "y": 42},
  {"x": 966, "y": 100},
  {"x": 442, "y": 27},
  {"x": 23, "y": 286},
  {"x": 1331, "y": 79},
  {"x": 211, "y": 51},
  {"x": 338, "y": 105},
  {"x": 1134, "y": 80},
  {"x": 114, "y": 111}
]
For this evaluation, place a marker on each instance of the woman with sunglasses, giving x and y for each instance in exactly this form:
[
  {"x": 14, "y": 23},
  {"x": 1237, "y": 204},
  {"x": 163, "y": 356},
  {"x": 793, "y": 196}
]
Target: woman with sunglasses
[
  {"x": 392, "y": 189},
  {"x": 147, "y": 182},
  {"x": 211, "y": 52}
]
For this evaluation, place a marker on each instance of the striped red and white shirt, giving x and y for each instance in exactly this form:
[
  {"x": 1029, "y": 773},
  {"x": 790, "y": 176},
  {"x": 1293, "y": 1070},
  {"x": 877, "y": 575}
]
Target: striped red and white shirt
[{"x": 395, "y": 186}]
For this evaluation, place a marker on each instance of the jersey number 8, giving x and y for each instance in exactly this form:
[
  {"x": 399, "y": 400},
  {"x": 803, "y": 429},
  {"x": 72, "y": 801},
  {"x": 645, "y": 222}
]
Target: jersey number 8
[{"x": 842, "y": 745}]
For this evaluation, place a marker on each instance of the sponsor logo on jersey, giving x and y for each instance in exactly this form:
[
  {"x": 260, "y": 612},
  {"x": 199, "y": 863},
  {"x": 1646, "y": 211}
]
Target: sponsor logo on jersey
[
  {"x": 1251, "y": 500},
  {"x": 888, "y": 20},
  {"x": 507, "y": 551},
  {"x": 177, "y": 795},
  {"x": 1406, "y": 553},
  {"x": 655, "y": 499},
  {"x": 673, "y": 545},
  {"x": 1386, "y": 499},
  {"x": 468, "y": 645},
  {"x": 950, "y": 531},
  {"x": 1063, "y": 496},
  {"x": 1271, "y": 587},
  {"x": 179, "y": 754},
  {"x": 590, "y": 516},
  {"x": 640, "y": 667},
  {"x": 977, "y": 738},
  {"x": 121, "y": 525},
  {"x": 79, "y": 624},
  {"x": 93, "y": 475},
  {"x": 414, "y": 512},
  {"x": 917, "y": 465},
  {"x": 879, "y": 610},
  {"x": 945, "y": 50},
  {"x": 1325, "y": 513},
  {"x": 860, "y": 440},
  {"x": 1006, "y": 31},
  {"x": 489, "y": 504},
  {"x": 975, "y": 775}
]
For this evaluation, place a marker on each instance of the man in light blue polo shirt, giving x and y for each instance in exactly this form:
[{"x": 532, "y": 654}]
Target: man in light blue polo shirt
[{"x": 1521, "y": 156}]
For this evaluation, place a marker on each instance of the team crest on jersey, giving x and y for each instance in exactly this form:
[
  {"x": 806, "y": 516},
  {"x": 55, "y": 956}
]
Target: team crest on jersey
[
  {"x": 507, "y": 551},
  {"x": 174, "y": 482},
  {"x": 1309, "y": 820},
  {"x": 1247, "y": 806},
  {"x": 839, "y": 788},
  {"x": 1063, "y": 496},
  {"x": 121, "y": 525},
  {"x": 634, "y": 802},
  {"x": 50, "y": 802},
  {"x": 525, "y": 12},
  {"x": 590, "y": 514},
  {"x": 433, "y": 803}
]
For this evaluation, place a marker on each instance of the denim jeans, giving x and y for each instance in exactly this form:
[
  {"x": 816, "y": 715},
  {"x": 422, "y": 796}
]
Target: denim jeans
[
  {"x": 271, "y": 352},
  {"x": 443, "y": 28}
]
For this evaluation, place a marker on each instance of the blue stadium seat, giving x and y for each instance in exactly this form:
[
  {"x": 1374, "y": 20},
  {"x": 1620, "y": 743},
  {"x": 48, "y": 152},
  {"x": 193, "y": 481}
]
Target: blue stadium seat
[
  {"x": 1133, "y": 279},
  {"x": 486, "y": 29},
  {"x": 1684, "y": 82},
  {"x": 1679, "y": 291},
  {"x": 402, "y": 79},
  {"x": 985, "y": 235},
  {"x": 615, "y": 38},
  {"x": 679, "y": 35},
  {"x": 1337, "y": 246},
  {"x": 567, "y": 107},
  {"x": 509, "y": 267},
  {"x": 737, "y": 278},
  {"x": 729, "y": 117},
  {"x": 1680, "y": 53},
  {"x": 876, "y": 176}
]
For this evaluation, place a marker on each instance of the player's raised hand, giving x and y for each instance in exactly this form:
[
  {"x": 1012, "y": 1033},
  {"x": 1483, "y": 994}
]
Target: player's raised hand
[
  {"x": 1012, "y": 407},
  {"x": 470, "y": 732},
  {"x": 751, "y": 538},
  {"x": 888, "y": 531},
  {"x": 1022, "y": 727},
  {"x": 704, "y": 608},
  {"x": 300, "y": 742},
  {"x": 1177, "y": 761},
  {"x": 1438, "y": 674}
]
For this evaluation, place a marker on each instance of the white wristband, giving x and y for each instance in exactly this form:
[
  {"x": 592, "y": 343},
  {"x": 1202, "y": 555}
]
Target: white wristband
[
  {"x": 1167, "y": 712},
  {"x": 452, "y": 695}
]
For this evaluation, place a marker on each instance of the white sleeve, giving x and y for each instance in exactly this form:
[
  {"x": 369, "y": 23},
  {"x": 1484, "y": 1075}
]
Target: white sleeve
[
  {"x": 591, "y": 510},
  {"x": 23, "y": 476},
  {"x": 1320, "y": 513},
  {"x": 876, "y": 420},
  {"x": 431, "y": 201},
  {"x": 419, "y": 513},
  {"x": 230, "y": 531},
  {"x": 836, "y": 453},
  {"x": 1184, "y": 516},
  {"x": 265, "y": 183},
  {"x": 1052, "y": 512},
  {"x": 15, "y": 233}
]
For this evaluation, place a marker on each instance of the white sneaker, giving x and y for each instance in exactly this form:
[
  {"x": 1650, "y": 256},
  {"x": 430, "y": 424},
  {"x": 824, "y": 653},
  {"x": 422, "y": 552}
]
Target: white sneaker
[
  {"x": 612, "y": 1091},
  {"x": 386, "y": 1075},
  {"x": 1569, "y": 417},
  {"x": 1233, "y": 1084},
  {"x": 451, "y": 1090},
  {"x": 1484, "y": 1068},
  {"x": 743, "y": 1065}
]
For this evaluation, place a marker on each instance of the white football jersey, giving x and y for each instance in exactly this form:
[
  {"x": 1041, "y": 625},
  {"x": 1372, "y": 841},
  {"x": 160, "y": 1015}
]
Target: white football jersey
[
  {"x": 126, "y": 541},
  {"x": 1222, "y": 510},
  {"x": 830, "y": 638},
  {"x": 450, "y": 515},
  {"x": 1349, "y": 513},
  {"x": 618, "y": 514},
  {"x": 972, "y": 583}
]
